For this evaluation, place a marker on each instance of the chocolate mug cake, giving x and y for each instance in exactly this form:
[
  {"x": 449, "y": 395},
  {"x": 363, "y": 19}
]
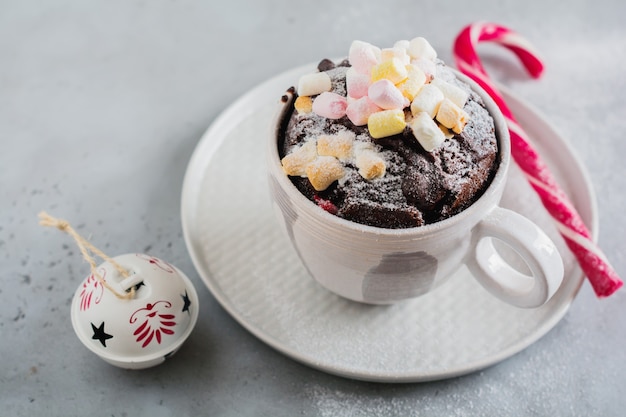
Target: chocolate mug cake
[
  {"x": 389, "y": 138},
  {"x": 386, "y": 171}
]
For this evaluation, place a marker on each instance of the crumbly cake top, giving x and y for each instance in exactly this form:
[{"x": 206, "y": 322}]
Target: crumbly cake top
[{"x": 378, "y": 145}]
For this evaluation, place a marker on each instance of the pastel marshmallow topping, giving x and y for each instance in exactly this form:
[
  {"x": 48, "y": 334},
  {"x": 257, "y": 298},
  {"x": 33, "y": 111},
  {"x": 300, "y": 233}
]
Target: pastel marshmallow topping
[
  {"x": 386, "y": 123},
  {"x": 323, "y": 171},
  {"x": 379, "y": 85},
  {"x": 303, "y": 104},
  {"x": 453, "y": 93},
  {"x": 359, "y": 111},
  {"x": 370, "y": 164},
  {"x": 330, "y": 105},
  {"x": 322, "y": 160},
  {"x": 386, "y": 95},
  {"x": 313, "y": 84},
  {"x": 411, "y": 86},
  {"x": 338, "y": 145},
  {"x": 396, "y": 52},
  {"x": 421, "y": 48},
  {"x": 451, "y": 116},
  {"x": 363, "y": 56},
  {"x": 357, "y": 83},
  {"x": 403, "y": 43},
  {"x": 427, "y": 66},
  {"x": 427, "y": 100},
  {"x": 426, "y": 131},
  {"x": 393, "y": 70},
  {"x": 296, "y": 162}
]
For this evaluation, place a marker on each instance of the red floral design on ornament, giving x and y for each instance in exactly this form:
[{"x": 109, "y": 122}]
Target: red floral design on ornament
[
  {"x": 154, "y": 323},
  {"x": 157, "y": 262},
  {"x": 92, "y": 290}
]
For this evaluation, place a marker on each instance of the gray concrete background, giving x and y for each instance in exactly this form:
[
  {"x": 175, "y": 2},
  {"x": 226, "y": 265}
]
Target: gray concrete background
[{"x": 101, "y": 106}]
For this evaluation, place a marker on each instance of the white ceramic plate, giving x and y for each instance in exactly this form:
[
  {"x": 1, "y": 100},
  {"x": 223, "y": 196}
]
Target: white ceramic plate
[{"x": 249, "y": 266}]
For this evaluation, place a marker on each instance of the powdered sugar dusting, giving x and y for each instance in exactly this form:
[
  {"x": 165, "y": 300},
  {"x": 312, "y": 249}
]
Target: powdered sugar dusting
[{"x": 417, "y": 186}]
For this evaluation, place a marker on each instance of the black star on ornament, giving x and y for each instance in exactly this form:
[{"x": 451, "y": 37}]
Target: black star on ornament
[
  {"x": 99, "y": 334},
  {"x": 187, "y": 302}
]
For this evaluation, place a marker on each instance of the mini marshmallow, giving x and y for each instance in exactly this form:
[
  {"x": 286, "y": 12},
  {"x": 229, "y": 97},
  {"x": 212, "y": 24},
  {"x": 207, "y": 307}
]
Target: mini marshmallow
[
  {"x": 451, "y": 116},
  {"x": 356, "y": 83},
  {"x": 389, "y": 53},
  {"x": 429, "y": 67},
  {"x": 370, "y": 164},
  {"x": 421, "y": 48},
  {"x": 313, "y": 84},
  {"x": 359, "y": 111},
  {"x": 338, "y": 145},
  {"x": 386, "y": 95},
  {"x": 363, "y": 56},
  {"x": 427, "y": 100},
  {"x": 403, "y": 43},
  {"x": 386, "y": 123},
  {"x": 427, "y": 132},
  {"x": 330, "y": 105},
  {"x": 446, "y": 132},
  {"x": 393, "y": 70},
  {"x": 452, "y": 92},
  {"x": 413, "y": 83},
  {"x": 323, "y": 171},
  {"x": 296, "y": 162},
  {"x": 303, "y": 104}
]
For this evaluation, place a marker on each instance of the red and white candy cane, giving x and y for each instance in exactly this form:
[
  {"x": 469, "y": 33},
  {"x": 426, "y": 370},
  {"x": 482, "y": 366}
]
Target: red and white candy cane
[{"x": 592, "y": 261}]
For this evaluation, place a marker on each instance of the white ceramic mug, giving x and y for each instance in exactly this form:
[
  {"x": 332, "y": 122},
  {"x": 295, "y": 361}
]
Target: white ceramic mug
[{"x": 382, "y": 266}]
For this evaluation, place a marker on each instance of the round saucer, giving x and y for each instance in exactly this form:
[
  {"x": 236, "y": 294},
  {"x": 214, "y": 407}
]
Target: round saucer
[{"x": 239, "y": 251}]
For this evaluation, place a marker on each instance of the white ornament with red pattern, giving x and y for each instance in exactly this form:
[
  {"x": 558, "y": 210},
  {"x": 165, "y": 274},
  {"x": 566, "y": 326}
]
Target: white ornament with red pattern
[{"x": 141, "y": 331}]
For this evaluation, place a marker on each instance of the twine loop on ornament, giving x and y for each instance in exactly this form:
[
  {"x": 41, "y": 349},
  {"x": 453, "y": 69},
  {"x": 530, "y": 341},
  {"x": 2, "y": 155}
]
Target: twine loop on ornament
[{"x": 87, "y": 250}]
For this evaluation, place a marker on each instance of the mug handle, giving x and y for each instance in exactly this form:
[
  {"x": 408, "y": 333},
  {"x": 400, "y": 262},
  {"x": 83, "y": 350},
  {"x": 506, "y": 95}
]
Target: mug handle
[{"x": 530, "y": 242}]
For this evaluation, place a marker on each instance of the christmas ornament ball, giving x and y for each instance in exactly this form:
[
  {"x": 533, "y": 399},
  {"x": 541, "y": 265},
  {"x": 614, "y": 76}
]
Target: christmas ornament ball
[{"x": 140, "y": 331}]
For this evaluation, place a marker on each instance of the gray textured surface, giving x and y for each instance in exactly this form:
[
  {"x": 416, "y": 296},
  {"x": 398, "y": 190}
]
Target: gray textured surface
[{"x": 101, "y": 106}]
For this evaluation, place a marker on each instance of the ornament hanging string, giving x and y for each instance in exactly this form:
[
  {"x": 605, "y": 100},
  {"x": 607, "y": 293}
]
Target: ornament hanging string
[{"x": 88, "y": 250}]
